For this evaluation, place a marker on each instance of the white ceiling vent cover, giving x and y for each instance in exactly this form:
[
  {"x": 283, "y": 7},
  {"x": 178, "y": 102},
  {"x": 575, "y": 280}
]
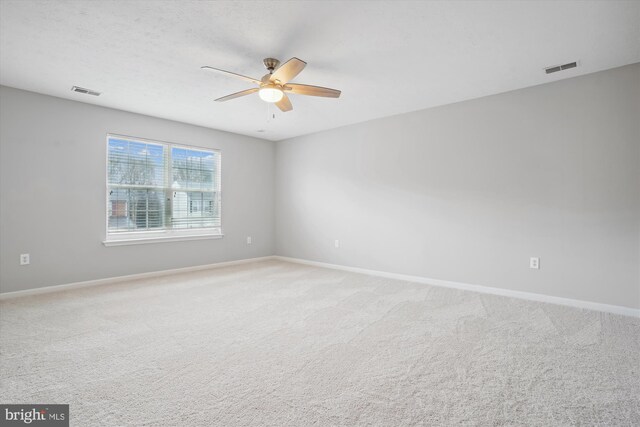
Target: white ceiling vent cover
[
  {"x": 563, "y": 67},
  {"x": 85, "y": 91}
]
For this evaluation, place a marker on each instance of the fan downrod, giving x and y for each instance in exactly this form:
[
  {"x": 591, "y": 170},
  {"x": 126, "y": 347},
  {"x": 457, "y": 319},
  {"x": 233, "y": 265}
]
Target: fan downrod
[{"x": 271, "y": 64}]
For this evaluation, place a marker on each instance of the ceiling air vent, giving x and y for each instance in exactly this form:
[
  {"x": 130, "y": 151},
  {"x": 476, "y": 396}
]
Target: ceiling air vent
[
  {"x": 85, "y": 91},
  {"x": 557, "y": 68}
]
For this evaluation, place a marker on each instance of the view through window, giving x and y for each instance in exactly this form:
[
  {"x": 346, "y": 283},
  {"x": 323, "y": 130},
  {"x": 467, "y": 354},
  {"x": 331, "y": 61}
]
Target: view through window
[{"x": 161, "y": 188}]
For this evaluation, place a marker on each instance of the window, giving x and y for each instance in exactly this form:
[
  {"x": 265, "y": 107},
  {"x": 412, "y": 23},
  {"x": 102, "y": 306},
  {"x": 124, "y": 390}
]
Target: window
[{"x": 157, "y": 190}]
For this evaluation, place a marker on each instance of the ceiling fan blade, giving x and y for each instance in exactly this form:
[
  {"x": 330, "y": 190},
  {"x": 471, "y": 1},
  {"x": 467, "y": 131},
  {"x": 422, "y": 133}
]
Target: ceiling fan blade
[
  {"x": 250, "y": 79},
  {"x": 312, "y": 90},
  {"x": 284, "y": 104},
  {"x": 288, "y": 70},
  {"x": 238, "y": 94}
]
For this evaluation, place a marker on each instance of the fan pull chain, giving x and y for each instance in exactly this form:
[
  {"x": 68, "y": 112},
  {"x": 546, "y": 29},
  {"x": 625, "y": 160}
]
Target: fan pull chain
[{"x": 270, "y": 115}]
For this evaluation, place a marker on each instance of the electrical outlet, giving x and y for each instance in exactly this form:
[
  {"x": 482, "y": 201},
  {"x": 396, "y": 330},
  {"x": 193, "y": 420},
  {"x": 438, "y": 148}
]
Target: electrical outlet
[
  {"x": 336, "y": 243},
  {"x": 249, "y": 241},
  {"x": 24, "y": 259},
  {"x": 534, "y": 263}
]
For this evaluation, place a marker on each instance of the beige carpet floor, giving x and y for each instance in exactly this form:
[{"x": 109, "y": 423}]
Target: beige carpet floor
[{"x": 281, "y": 344}]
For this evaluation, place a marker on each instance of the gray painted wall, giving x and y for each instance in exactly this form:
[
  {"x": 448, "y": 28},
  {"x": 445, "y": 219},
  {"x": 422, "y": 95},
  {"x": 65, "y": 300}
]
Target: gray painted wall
[
  {"x": 468, "y": 192},
  {"x": 465, "y": 192},
  {"x": 52, "y": 182}
]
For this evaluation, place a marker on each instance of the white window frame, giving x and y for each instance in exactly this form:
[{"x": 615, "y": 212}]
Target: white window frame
[{"x": 165, "y": 235}]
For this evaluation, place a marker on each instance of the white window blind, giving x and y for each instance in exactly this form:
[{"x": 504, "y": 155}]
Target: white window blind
[{"x": 156, "y": 188}]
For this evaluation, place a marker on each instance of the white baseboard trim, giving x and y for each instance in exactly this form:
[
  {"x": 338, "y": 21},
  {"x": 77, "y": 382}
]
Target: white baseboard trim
[
  {"x": 109, "y": 280},
  {"x": 588, "y": 305}
]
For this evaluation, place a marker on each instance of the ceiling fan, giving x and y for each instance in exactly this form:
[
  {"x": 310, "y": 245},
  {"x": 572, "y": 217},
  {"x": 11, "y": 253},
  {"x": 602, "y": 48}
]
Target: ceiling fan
[{"x": 274, "y": 86}]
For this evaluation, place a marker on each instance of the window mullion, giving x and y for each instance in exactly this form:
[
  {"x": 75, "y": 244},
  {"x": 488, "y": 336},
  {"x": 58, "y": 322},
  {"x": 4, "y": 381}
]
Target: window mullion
[{"x": 168, "y": 184}]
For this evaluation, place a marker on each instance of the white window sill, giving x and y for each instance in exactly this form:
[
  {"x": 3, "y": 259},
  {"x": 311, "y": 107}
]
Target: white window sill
[{"x": 159, "y": 239}]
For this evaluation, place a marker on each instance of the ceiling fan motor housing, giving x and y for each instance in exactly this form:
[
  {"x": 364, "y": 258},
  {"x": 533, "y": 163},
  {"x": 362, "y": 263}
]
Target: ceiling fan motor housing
[{"x": 271, "y": 64}]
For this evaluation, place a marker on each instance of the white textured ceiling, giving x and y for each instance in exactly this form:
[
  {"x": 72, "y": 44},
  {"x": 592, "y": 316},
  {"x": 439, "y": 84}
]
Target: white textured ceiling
[{"x": 387, "y": 57}]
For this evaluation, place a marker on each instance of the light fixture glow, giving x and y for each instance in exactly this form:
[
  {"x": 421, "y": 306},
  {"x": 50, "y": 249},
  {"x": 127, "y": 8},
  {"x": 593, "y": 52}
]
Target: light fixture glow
[{"x": 270, "y": 94}]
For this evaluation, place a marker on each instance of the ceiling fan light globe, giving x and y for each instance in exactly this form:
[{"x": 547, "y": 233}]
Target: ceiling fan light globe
[{"x": 270, "y": 94}]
